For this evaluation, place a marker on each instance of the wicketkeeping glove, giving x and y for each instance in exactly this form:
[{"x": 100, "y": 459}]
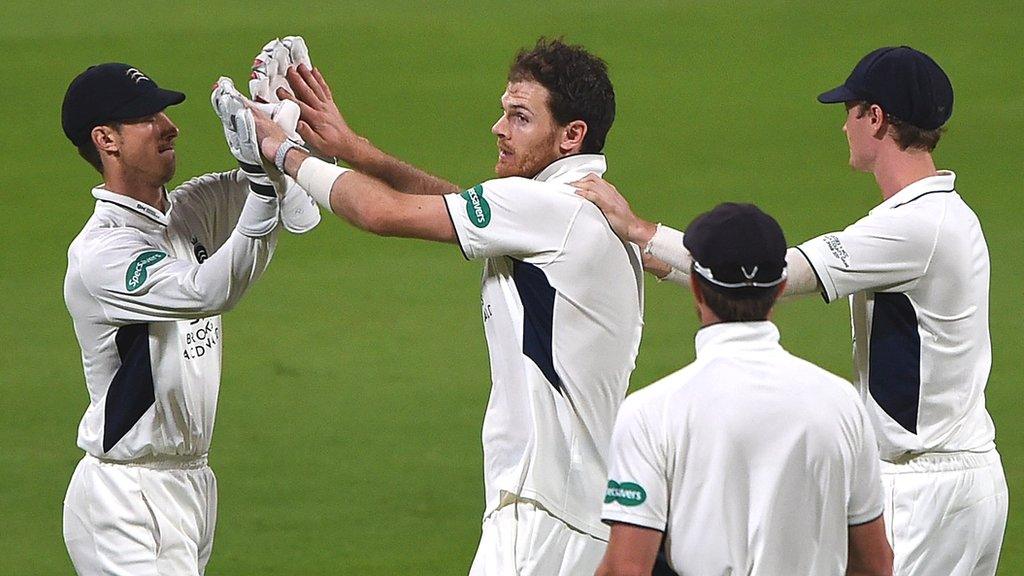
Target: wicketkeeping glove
[
  {"x": 271, "y": 64},
  {"x": 299, "y": 213},
  {"x": 240, "y": 133}
]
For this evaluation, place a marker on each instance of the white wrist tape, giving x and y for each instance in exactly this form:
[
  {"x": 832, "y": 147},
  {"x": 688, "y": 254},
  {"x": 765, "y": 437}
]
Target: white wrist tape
[
  {"x": 667, "y": 245},
  {"x": 282, "y": 151},
  {"x": 317, "y": 178},
  {"x": 676, "y": 277}
]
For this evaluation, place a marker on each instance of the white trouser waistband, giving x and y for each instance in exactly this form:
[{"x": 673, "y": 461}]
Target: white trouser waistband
[
  {"x": 941, "y": 462},
  {"x": 158, "y": 462}
]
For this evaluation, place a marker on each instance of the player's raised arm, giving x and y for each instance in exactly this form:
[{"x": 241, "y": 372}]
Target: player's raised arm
[
  {"x": 629, "y": 226},
  {"x": 325, "y": 128},
  {"x": 665, "y": 256},
  {"x": 365, "y": 202}
]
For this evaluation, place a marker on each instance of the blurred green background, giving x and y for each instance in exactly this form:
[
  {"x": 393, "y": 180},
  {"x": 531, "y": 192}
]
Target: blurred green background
[{"x": 355, "y": 374}]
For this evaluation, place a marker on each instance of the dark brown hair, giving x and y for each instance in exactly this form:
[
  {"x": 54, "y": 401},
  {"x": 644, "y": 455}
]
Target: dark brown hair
[
  {"x": 905, "y": 134},
  {"x": 746, "y": 305},
  {"x": 577, "y": 82}
]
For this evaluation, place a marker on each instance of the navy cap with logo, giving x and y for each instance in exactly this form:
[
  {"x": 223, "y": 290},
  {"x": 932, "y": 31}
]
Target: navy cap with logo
[
  {"x": 738, "y": 249},
  {"x": 906, "y": 83},
  {"x": 108, "y": 93}
]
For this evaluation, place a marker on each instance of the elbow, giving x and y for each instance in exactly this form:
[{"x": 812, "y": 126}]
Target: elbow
[
  {"x": 218, "y": 303},
  {"x": 370, "y": 219},
  {"x": 219, "y": 299}
]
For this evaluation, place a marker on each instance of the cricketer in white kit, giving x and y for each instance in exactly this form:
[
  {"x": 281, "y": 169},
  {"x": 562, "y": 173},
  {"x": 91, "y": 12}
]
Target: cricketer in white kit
[
  {"x": 748, "y": 460},
  {"x": 147, "y": 317},
  {"x": 916, "y": 272},
  {"x": 148, "y": 277},
  {"x": 562, "y": 296},
  {"x": 562, "y": 302}
]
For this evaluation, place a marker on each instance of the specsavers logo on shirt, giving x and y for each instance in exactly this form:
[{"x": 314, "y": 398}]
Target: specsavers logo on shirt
[
  {"x": 137, "y": 272},
  {"x": 627, "y": 493},
  {"x": 477, "y": 208}
]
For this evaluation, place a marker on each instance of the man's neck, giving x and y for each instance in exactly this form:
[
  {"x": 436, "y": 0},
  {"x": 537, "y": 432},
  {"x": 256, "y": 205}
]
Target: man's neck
[
  {"x": 147, "y": 194},
  {"x": 897, "y": 170}
]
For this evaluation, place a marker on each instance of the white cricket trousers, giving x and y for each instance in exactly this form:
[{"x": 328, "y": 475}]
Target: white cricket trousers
[
  {"x": 151, "y": 519},
  {"x": 522, "y": 539},
  {"x": 945, "y": 513}
]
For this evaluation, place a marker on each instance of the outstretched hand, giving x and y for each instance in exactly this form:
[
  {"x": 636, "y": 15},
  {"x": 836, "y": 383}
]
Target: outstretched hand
[
  {"x": 615, "y": 208},
  {"x": 321, "y": 124}
]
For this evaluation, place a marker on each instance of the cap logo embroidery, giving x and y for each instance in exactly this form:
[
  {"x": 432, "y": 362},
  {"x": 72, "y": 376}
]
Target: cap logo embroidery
[
  {"x": 748, "y": 275},
  {"x": 135, "y": 75}
]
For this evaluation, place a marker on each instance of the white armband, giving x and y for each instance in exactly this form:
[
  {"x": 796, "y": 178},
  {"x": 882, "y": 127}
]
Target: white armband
[
  {"x": 317, "y": 178},
  {"x": 667, "y": 245}
]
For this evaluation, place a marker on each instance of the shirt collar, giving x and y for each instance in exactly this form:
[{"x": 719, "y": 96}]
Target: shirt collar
[
  {"x": 133, "y": 205},
  {"x": 941, "y": 182},
  {"x": 573, "y": 167},
  {"x": 730, "y": 337}
]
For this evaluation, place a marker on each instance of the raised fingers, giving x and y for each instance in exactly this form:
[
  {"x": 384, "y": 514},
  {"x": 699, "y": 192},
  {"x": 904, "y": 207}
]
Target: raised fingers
[
  {"x": 323, "y": 83},
  {"x": 305, "y": 110},
  {"x": 311, "y": 81},
  {"x": 301, "y": 88}
]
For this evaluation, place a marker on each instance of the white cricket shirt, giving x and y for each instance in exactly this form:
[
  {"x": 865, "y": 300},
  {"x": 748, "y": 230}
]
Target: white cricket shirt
[
  {"x": 562, "y": 301},
  {"x": 750, "y": 460},
  {"x": 145, "y": 291},
  {"x": 916, "y": 269}
]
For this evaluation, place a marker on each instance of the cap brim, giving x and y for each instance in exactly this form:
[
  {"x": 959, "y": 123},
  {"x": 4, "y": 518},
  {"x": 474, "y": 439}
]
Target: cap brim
[
  {"x": 838, "y": 94},
  {"x": 151, "y": 103}
]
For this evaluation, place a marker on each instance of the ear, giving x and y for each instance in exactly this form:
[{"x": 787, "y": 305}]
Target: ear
[
  {"x": 878, "y": 122},
  {"x": 572, "y": 137},
  {"x": 106, "y": 139},
  {"x": 781, "y": 289}
]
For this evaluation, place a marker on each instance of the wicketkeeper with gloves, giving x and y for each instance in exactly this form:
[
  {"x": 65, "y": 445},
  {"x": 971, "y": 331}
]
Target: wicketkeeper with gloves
[{"x": 148, "y": 278}]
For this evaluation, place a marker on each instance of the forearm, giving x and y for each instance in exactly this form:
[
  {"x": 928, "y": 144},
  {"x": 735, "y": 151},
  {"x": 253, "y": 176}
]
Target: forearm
[
  {"x": 402, "y": 176},
  {"x": 323, "y": 183},
  {"x": 369, "y": 204},
  {"x": 869, "y": 553},
  {"x": 663, "y": 244},
  {"x": 800, "y": 277},
  {"x": 229, "y": 272},
  {"x": 664, "y": 252}
]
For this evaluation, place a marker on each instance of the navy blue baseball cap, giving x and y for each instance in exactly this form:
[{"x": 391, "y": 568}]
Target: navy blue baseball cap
[
  {"x": 906, "y": 83},
  {"x": 108, "y": 93},
  {"x": 738, "y": 249}
]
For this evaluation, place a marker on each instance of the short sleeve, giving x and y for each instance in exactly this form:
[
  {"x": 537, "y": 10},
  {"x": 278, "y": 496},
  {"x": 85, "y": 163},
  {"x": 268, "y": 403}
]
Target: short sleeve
[
  {"x": 866, "y": 485},
  {"x": 882, "y": 251},
  {"x": 514, "y": 217},
  {"x": 637, "y": 491}
]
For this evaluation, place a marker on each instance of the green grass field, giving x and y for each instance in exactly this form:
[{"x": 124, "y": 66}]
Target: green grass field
[{"x": 355, "y": 373}]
